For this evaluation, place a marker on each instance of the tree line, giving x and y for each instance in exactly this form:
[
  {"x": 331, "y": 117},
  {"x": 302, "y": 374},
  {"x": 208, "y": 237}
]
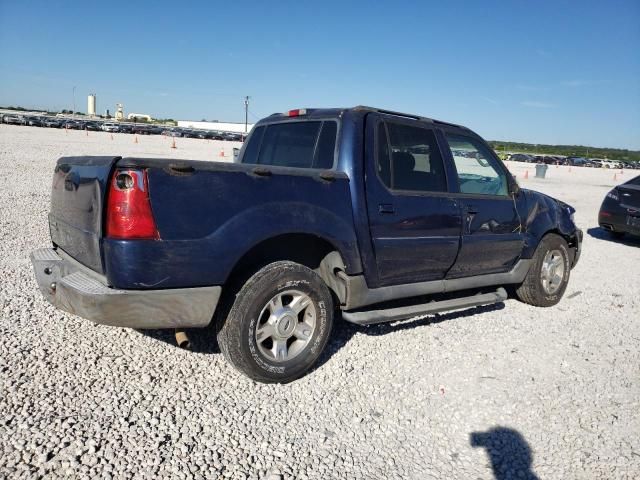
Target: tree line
[{"x": 567, "y": 150}]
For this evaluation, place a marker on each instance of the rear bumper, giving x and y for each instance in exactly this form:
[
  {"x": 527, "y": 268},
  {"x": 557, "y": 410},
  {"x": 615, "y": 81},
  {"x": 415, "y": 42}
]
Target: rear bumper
[
  {"x": 73, "y": 288},
  {"x": 615, "y": 222}
]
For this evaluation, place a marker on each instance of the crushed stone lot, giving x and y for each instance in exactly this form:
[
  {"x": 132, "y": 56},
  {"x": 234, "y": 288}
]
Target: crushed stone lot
[{"x": 503, "y": 391}]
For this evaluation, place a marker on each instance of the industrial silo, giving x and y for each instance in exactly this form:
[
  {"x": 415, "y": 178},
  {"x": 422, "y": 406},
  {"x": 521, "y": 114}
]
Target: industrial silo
[{"x": 91, "y": 104}]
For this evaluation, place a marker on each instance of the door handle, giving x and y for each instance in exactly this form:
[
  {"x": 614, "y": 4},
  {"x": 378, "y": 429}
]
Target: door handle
[
  {"x": 472, "y": 209},
  {"x": 386, "y": 208}
]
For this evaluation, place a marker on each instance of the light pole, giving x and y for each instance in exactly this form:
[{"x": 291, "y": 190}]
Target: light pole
[
  {"x": 73, "y": 112},
  {"x": 246, "y": 113}
]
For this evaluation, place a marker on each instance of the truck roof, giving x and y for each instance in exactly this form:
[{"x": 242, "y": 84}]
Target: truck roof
[{"x": 337, "y": 112}]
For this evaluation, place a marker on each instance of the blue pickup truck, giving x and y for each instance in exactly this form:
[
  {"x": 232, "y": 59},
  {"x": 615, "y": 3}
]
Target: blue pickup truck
[{"x": 363, "y": 213}]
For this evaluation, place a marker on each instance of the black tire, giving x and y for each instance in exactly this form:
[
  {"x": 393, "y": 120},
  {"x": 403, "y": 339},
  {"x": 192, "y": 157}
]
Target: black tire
[
  {"x": 531, "y": 290},
  {"x": 237, "y": 332}
]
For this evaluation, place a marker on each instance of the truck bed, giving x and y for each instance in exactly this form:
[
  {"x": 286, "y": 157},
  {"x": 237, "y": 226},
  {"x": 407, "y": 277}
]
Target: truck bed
[{"x": 208, "y": 215}]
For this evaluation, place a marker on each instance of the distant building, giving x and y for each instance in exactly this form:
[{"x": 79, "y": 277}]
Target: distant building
[
  {"x": 218, "y": 126},
  {"x": 119, "y": 112},
  {"x": 91, "y": 104}
]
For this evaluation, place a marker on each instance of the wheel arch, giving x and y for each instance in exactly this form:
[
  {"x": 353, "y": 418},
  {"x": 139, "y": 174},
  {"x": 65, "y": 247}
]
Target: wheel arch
[{"x": 312, "y": 251}]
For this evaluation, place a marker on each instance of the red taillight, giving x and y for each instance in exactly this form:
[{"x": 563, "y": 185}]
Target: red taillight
[
  {"x": 604, "y": 213},
  {"x": 297, "y": 112},
  {"x": 129, "y": 212}
]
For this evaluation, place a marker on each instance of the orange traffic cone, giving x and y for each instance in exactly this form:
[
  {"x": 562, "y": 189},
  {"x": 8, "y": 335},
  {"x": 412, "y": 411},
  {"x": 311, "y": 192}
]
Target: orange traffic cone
[
  {"x": 569, "y": 168},
  {"x": 222, "y": 154},
  {"x": 526, "y": 174},
  {"x": 615, "y": 177},
  {"x": 135, "y": 139},
  {"x": 112, "y": 136},
  {"x": 173, "y": 144}
]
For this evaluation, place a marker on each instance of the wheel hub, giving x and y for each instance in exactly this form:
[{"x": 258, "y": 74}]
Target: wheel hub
[
  {"x": 286, "y": 325},
  {"x": 552, "y": 271}
]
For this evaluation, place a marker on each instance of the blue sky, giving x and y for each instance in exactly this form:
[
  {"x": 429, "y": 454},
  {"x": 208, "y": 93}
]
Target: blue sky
[{"x": 541, "y": 72}]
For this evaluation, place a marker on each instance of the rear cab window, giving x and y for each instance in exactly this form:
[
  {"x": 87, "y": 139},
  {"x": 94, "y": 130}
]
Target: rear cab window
[{"x": 299, "y": 144}]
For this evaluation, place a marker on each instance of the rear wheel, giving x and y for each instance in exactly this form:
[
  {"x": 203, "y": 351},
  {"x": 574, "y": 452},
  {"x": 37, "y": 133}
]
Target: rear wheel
[
  {"x": 279, "y": 323},
  {"x": 548, "y": 276}
]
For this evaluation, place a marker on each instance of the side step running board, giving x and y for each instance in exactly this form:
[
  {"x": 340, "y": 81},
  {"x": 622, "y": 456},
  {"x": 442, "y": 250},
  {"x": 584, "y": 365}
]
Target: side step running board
[{"x": 402, "y": 313}]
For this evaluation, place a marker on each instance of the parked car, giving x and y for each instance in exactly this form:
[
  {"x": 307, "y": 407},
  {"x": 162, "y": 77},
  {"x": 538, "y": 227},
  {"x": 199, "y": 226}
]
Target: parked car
[
  {"x": 204, "y": 134},
  {"x": 13, "y": 119},
  {"x": 110, "y": 127},
  {"x": 189, "y": 133},
  {"x": 93, "y": 126},
  {"x": 594, "y": 163},
  {"x": 631, "y": 165},
  {"x": 575, "y": 161},
  {"x": 620, "y": 210},
  {"x": 33, "y": 121},
  {"x": 170, "y": 132},
  {"x": 141, "y": 130},
  {"x": 72, "y": 125},
  {"x": 51, "y": 122},
  {"x": 608, "y": 164},
  {"x": 326, "y": 210},
  {"x": 520, "y": 157}
]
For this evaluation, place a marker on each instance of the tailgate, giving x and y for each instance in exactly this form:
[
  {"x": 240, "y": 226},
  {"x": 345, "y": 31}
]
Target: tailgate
[{"x": 77, "y": 199}]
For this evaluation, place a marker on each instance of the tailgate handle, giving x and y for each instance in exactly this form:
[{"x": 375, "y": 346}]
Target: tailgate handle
[
  {"x": 262, "y": 172},
  {"x": 180, "y": 169},
  {"x": 386, "y": 208}
]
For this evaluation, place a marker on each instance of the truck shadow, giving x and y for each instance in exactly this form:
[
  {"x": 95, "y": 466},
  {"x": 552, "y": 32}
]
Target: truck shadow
[
  {"x": 343, "y": 331},
  {"x": 203, "y": 340},
  {"x": 508, "y": 451},
  {"x": 602, "y": 234}
]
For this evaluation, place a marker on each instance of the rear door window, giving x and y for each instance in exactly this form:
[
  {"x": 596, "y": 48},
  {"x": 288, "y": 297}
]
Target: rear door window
[
  {"x": 409, "y": 159},
  {"x": 306, "y": 144}
]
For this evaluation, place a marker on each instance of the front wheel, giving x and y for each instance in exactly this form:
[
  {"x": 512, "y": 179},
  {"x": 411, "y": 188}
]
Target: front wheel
[
  {"x": 279, "y": 323},
  {"x": 548, "y": 276}
]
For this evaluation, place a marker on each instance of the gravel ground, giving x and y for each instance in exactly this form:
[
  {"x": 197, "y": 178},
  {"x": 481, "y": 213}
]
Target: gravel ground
[{"x": 510, "y": 391}]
